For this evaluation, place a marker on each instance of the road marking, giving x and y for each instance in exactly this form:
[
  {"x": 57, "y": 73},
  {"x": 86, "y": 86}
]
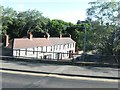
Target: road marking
[
  {"x": 83, "y": 78},
  {"x": 22, "y": 73},
  {"x": 61, "y": 76}
]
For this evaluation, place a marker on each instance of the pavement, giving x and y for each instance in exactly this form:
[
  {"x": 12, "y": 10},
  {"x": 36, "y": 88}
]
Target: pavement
[{"x": 104, "y": 72}]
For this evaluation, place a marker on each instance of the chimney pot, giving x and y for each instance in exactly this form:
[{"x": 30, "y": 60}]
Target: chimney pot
[
  {"x": 30, "y": 36},
  {"x": 44, "y": 36},
  {"x": 6, "y": 40},
  {"x": 70, "y": 35},
  {"x": 60, "y": 36},
  {"x": 48, "y": 35}
]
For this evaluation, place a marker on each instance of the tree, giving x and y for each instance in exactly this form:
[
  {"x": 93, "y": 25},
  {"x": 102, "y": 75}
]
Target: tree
[
  {"x": 82, "y": 27},
  {"x": 27, "y": 21},
  {"x": 103, "y": 11},
  {"x": 106, "y": 25},
  {"x": 32, "y": 20},
  {"x": 6, "y": 17},
  {"x": 58, "y": 27},
  {"x": 1, "y": 10}
]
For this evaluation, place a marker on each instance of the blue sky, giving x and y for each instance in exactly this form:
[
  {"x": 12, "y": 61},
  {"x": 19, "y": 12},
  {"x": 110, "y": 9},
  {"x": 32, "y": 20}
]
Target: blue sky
[{"x": 67, "y": 10}]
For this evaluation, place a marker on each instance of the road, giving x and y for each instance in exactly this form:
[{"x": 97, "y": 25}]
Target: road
[{"x": 16, "y": 80}]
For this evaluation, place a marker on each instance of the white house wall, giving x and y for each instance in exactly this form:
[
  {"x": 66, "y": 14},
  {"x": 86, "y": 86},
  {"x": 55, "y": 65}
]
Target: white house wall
[
  {"x": 22, "y": 52},
  {"x": 14, "y": 53},
  {"x": 60, "y": 49}
]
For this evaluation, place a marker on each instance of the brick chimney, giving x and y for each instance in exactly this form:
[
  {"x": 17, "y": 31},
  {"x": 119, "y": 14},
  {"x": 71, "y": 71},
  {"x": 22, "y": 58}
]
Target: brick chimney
[
  {"x": 44, "y": 36},
  {"x": 48, "y": 35},
  {"x": 6, "y": 40},
  {"x": 30, "y": 36},
  {"x": 70, "y": 35},
  {"x": 60, "y": 36}
]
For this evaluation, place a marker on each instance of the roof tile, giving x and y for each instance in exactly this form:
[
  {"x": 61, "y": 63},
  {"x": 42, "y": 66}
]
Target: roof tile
[{"x": 27, "y": 43}]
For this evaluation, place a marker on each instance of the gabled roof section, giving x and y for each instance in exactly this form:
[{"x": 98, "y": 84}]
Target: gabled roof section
[{"x": 27, "y": 43}]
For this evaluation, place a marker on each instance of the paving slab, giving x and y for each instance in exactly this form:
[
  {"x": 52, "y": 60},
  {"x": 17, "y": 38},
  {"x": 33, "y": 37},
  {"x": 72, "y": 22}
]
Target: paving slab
[{"x": 63, "y": 69}]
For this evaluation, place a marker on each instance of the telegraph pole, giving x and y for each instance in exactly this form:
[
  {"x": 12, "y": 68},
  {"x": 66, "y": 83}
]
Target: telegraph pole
[{"x": 84, "y": 47}]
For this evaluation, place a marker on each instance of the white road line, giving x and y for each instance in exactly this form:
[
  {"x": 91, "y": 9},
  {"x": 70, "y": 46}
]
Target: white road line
[
  {"x": 22, "y": 73},
  {"x": 61, "y": 76},
  {"x": 84, "y": 78}
]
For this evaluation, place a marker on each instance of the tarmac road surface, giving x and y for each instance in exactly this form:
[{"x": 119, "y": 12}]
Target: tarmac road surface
[{"x": 16, "y": 80}]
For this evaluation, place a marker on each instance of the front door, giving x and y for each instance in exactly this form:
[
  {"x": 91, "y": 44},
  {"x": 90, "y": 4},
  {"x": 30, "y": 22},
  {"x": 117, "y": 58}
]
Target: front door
[{"x": 71, "y": 54}]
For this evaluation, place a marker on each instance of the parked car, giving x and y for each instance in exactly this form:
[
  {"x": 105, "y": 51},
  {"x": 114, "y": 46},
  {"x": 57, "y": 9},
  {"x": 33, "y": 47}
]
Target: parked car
[{"x": 87, "y": 58}]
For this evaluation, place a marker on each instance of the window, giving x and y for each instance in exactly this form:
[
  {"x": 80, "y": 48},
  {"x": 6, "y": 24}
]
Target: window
[
  {"x": 73, "y": 44},
  {"x": 70, "y": 45},
  {"x": 63, "y": 55},
  {"x": 19, "y": 52},
  {"x": 46, "y": 48},
  {"x": 33, "y": 50},
  {"x": 51, "y": 48},
  {"x": 41, "y": 49},
  {"x": 37, "y": 48},
  {"x": 59, "y": 47},
  {"x": 67, "y": 53},
  {"x": 64, "y": 46},
  {"x": 25, "y": 51},
  {"x": 56, "y": 47},
  {"x": 16, "y": 52}
]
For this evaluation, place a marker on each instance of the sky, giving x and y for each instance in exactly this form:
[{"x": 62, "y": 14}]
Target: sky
[{"x": 67, "y": 10}]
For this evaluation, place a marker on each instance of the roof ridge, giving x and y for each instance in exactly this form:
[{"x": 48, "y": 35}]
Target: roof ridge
[{"x": 45, "y": 37}]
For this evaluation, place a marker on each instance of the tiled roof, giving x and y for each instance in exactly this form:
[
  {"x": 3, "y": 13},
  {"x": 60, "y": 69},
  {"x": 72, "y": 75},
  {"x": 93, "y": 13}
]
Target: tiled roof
[{"x": 27, "y": 43}]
